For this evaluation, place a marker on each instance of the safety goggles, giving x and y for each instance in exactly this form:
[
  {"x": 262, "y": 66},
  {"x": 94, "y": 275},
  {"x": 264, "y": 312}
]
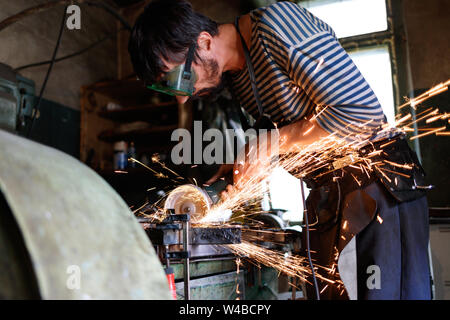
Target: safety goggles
[{"x": 179, "y": 81}]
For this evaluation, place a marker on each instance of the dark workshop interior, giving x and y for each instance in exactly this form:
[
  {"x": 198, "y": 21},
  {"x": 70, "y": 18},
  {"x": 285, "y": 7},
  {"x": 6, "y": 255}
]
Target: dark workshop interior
[{"x": 92, "y": 187}]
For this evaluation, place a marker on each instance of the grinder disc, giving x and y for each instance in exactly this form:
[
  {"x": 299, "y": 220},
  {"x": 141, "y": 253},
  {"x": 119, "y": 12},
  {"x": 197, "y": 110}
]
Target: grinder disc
[{"x": 189, "y": 199}]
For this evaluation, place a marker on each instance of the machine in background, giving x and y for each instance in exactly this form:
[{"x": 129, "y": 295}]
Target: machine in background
[{"x": 16, "y": 99}]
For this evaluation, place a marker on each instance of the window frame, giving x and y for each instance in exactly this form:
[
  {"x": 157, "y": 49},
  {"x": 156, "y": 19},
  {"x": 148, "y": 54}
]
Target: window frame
[
  {"x": 376, "y": 39},
  {"x": 395, "y": 37}
]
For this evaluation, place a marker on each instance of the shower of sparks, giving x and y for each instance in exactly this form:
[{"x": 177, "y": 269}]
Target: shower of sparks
[
  {"x": 339, "y": 152},
  {"x": 318, "y": 65},
  {"x": 344, "y": 225},
  {"x": 301, "y": 163},
  {"x": 238, "y": 264},
  {"x": 156, "y": 173},
  {"x": 159, "y": 175},
  {"x": 156, "y": 159},
  {"x": 307, "y": 160},
  {"x": 244, "y": 199},
  {"x": 426, "y": 95},
  {"x": 257, "y": 234},
  {"x": 291, "y": 265},
  {"x": 140, "y": 208},
  {"x": 428, "y": 133},
  {"x": 379, "y": 219}
]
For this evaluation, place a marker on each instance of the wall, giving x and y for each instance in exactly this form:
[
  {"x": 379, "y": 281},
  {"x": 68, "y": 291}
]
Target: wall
[
  {"x": 222, "y": 11},
  {"x": 427, "y": 24},
  {"x": 33, "y": 39}
]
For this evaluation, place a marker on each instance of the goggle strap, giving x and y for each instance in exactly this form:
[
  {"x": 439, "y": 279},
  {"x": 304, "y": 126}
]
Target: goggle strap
[{"x": 189, "y": 59}]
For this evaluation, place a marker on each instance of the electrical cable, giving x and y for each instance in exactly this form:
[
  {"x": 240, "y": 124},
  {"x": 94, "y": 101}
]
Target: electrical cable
[
  {"x": 42, "y": 7},
  {"x": 93, "y": 45},
  {"x": 44, "y": 84},
  {"x": 48, "y": 5},
  {"x": 305, "y": 214}
]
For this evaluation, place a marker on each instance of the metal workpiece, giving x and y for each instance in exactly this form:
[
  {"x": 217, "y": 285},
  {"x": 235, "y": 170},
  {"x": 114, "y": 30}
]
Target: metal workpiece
[
  {"x": 79, "y": 238},
  {"x": 225, "y": 235},
  {"x": 169, "y": 235}
]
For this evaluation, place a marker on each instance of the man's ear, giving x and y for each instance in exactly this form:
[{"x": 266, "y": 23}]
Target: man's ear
[{"x": 204, "y": 41}]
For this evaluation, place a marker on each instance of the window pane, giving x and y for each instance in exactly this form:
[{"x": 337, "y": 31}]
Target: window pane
[
  {"x": 350, "y": 17},
  {"x": 375, "y": 66},
  {"x": 285, "y": 193}
]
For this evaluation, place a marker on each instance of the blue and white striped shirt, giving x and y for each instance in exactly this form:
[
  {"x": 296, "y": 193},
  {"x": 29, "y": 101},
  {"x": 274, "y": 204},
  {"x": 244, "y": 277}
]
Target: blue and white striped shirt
[{"x": 302, "y": 71}]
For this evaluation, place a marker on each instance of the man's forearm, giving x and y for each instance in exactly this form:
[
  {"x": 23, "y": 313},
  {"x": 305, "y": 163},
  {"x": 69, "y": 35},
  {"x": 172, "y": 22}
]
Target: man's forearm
[
  {"x": 293, "y": 137},
  {"x": 299, "y": 134}
]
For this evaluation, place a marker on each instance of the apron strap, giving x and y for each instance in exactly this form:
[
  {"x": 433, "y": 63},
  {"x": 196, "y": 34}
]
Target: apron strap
[{"x": 251, "y": 71}]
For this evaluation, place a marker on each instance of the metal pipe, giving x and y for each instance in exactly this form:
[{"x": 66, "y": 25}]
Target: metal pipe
[
  {"x": 186, "y": 260},
  {"x": 167, "y": 258}
]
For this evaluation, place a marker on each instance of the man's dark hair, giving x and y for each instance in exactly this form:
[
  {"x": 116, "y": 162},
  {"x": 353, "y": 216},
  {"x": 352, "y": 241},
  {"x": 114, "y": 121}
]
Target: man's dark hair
[{"x": 166, "y": 29}]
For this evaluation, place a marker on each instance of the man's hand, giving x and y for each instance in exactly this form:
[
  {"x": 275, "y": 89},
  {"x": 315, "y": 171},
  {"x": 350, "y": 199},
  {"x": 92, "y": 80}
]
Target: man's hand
[
  {"x": 224, "y": 169},
  {"x": 226, "y": 193},
  {"x": 253, "y": 161}
]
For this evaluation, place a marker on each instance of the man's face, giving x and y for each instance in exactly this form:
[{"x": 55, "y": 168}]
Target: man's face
[{"x": 208, "y": 77}]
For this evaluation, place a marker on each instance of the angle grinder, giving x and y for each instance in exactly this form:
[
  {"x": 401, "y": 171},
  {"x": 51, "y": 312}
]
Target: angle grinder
[{"x": 195, "y": 201}]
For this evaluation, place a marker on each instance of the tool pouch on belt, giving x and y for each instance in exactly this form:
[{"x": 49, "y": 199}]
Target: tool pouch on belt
[
  {"x": 327, "y": 197},
  {"x": 323, "y": 205},
  {"x": 401, "y": 172}
]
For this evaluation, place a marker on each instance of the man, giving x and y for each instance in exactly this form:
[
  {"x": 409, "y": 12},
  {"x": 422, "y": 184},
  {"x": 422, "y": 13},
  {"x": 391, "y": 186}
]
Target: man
[{"x": 306, "y": 83}]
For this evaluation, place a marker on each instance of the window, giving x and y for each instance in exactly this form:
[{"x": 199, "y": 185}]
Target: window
[
  {"x": 363, "y": 30},
  {"x": 285, "y": 193},
  {"x": 350, "y": 17},
  {"x": 375, "y": 65}
]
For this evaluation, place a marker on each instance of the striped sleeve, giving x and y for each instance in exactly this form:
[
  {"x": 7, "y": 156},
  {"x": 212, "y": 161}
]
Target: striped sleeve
[
  {"x": 344, "y": 101},
  {"x": 308, "y": 51}
]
